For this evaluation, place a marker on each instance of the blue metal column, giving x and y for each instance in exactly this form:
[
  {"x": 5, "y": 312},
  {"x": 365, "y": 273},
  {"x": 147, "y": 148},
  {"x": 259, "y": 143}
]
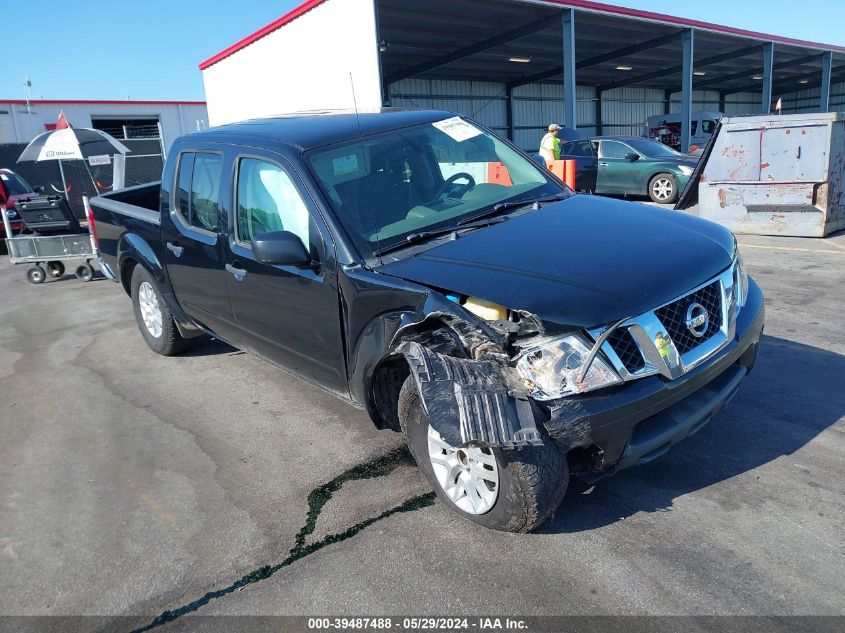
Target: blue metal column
[
  {"x": 509, "y": 110},
  {"x": 687, "y": 41},
  {"x": 827, "y": 66},
  {"x": 768, "y": 71},
  {"x": 570, "y": 103},
  {"x": 599, "y": 108}
]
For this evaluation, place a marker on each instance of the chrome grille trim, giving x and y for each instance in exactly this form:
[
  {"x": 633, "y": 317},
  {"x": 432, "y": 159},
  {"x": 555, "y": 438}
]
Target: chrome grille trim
[{"x": 645, "y": 329}]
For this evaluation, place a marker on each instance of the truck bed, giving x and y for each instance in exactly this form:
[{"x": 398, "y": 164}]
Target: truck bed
[
  {"x": 125, "y": 220},
  {"x": 140, "y": 201}
]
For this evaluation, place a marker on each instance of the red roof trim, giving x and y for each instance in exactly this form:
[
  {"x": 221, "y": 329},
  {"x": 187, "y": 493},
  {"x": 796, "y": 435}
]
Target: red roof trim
[
  {"x": 601, "y": 7},
  {"x": 95, "y": 102},
  {"x": 249, "y": 39},
  {"x": 586, "y": 5}
]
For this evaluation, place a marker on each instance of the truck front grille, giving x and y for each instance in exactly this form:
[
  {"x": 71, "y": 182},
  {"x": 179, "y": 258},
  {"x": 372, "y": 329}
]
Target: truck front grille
[
  {"x": 626, "y": 349},
  {"x": 637, "y": 347},
  {"x": 673, "y": 316}
]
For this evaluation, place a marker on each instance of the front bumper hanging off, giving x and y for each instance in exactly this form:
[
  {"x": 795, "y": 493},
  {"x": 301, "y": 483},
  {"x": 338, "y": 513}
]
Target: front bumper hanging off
[
  {"x": 484, "y": 401},
  {"x": 640, "y": 420}
]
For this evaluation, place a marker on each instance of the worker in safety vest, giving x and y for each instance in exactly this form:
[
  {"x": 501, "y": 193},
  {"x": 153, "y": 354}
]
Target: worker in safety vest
[{"x": 550, "y": 145}]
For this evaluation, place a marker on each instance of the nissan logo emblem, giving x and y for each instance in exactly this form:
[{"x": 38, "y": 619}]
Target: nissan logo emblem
[{"x": 697, "y": 319}]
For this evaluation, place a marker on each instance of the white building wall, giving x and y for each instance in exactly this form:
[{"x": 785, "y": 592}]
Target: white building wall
[
  {"x": 304, "y": 65},
  {"x": 18, "y": 126}
]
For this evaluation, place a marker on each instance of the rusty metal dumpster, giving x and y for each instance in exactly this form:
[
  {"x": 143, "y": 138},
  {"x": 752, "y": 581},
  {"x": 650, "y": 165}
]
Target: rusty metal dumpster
[{"x": 776, "y": 175}]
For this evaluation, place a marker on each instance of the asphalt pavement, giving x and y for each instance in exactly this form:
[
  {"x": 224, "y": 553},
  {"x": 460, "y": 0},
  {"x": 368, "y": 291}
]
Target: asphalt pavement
[{"x": 214, "y": 483}]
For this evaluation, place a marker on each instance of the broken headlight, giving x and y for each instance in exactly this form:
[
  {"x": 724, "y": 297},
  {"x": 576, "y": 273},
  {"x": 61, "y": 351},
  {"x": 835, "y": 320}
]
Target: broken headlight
[
  {"x": 740, "y": 280},
  {"x": 552, "y": 370}
]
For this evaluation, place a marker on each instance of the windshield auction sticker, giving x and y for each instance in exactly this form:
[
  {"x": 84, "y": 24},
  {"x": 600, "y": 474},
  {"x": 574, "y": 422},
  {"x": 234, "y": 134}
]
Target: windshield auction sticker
[{"x": 457, "y": 128}]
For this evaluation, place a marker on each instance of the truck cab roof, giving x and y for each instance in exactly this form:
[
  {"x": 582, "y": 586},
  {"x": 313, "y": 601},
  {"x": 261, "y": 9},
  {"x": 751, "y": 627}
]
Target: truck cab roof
[{"x": 309, "y": 130}]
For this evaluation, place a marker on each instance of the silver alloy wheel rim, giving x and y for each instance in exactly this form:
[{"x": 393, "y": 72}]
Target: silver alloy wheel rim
[
  {"x": 150, "y": 309},
  {"x": 662, "y": 188},
  {"x": 469, "y": 476}
]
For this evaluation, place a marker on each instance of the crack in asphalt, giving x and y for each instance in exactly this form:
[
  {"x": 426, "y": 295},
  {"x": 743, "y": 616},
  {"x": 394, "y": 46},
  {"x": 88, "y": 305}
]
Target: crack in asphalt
[{"x": 317, "y": 499}]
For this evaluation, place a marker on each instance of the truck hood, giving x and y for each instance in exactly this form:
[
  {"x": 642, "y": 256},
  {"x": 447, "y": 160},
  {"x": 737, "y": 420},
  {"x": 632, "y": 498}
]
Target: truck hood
[{"x": 582, "y": 262}]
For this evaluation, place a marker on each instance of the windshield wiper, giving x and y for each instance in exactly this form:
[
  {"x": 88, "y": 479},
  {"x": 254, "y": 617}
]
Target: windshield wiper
[
  {"x": 514, "y": 204},
  {"x": 415, "y": 238}
]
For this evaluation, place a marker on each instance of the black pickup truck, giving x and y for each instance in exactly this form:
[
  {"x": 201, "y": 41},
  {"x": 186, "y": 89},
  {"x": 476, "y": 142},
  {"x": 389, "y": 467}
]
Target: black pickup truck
[{"x": 417, "y": 265}]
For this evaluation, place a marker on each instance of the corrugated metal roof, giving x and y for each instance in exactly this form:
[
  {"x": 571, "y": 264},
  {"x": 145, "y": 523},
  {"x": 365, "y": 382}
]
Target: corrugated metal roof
[{"x": 582, "y": 5}]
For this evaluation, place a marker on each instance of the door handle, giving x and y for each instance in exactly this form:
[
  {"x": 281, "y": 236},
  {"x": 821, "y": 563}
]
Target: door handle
[
  {"x": 601, "y": 164},
  {"x": 175, "y": 248},
  {"x": 239, "y": 273}
]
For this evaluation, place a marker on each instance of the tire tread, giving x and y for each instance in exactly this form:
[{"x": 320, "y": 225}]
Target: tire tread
[
  {"x": 539, "y": 475},
  {"x": 171, "y": 342}
]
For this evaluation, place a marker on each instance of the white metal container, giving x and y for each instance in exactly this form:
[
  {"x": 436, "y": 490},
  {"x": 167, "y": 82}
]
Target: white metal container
[{"x": 777, "y": 175}]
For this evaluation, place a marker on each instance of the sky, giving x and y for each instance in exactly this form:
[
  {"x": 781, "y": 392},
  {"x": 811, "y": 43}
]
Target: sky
[{"x": 150, "y": 49}]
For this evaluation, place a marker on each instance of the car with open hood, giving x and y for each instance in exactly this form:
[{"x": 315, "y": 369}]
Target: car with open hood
[{"x": 417, "y": 265}]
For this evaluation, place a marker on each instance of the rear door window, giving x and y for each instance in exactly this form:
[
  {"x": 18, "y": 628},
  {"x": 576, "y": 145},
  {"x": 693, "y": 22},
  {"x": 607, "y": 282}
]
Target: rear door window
[
  {"x": 614, "y": 149},
  {"x": 198, "y": 190},
  {"x": 578, "y": 148}
]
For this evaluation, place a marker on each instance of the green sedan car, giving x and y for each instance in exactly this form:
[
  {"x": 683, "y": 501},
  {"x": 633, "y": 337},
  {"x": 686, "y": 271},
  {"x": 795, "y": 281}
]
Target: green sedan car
[{"x": 629, "y": 165}]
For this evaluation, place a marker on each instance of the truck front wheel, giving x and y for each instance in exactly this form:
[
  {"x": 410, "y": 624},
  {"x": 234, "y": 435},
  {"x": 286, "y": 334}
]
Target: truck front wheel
[
  {"x": 513, "y": 490},
  {"x": 153, "y": 316}
]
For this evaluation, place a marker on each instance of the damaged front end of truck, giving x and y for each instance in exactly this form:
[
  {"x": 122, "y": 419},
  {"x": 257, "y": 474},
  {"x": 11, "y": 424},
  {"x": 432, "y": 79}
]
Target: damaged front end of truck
[
  {"x": 489, "y": 381},
  {"x": 609, "y": 397}
]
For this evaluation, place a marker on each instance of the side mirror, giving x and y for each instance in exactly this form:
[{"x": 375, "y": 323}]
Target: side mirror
[
  {"x": 38, "y": 188},
  {"x": 632, "y": 157},
  {"x": 280, "y": 248}
]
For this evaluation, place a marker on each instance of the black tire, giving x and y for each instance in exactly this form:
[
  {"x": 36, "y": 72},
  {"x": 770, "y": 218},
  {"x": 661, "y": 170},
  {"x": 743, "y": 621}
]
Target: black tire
[
  {"x": 532, "y": 480},
  {"x": 663, "y": 188},
  {"x": 169, "y": 342},
  {"x": 36, "y": 274},
  {"x": 55, "y": 270},
  {"x": 85, "y": 272}
]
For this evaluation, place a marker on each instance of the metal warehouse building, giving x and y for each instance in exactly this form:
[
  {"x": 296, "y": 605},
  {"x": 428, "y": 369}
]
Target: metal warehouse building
[
  {"x": 21, "y": 121},
  {"x": 147, "y": 128},
  {"x": 517, "y": 65}
]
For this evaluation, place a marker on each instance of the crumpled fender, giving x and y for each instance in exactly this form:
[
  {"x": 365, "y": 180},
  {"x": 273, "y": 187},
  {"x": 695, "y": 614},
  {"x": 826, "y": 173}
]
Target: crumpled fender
[{"x": 472, "y": 400}]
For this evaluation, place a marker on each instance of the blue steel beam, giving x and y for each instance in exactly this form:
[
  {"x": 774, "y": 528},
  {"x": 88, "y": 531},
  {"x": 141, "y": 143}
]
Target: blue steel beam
[
  {"x": 570, "y": 103},
  {"x": 687, "y": 42},
  {"x": 768, "y": 72},
  {"x": 598, "y": 59},
  {"x": 664, "y": 72},
  {"x": 744, "y": 73},
  {"x": 827, "y": 67},
  {"x": 472, "y": 49}
]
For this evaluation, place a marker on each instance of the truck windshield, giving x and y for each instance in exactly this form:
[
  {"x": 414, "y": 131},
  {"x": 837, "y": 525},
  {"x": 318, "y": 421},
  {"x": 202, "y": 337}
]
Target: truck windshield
[{"x": 386, "y": 187}]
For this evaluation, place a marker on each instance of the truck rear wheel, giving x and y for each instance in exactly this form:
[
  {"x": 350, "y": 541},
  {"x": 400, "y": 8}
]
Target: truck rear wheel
[
  {"x": 513, "y": 490},
  {"x": 153, "y": 316}
]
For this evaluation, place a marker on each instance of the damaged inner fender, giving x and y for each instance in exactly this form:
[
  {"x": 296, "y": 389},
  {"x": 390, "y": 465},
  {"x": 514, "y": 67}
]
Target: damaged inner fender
[{"x": 469, "y": 401}]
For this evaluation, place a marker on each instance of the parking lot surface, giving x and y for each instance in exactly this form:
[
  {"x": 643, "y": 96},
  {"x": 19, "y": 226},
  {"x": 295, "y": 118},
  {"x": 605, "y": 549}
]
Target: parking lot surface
[{"x": 136, "y": 484}]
